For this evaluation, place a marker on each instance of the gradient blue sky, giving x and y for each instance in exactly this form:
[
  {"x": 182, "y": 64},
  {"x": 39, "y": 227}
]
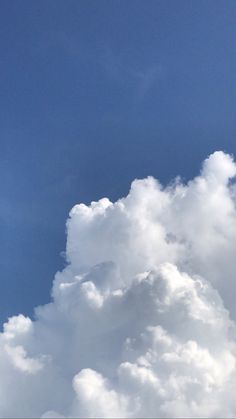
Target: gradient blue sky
[{"x": 94, "y": 94}]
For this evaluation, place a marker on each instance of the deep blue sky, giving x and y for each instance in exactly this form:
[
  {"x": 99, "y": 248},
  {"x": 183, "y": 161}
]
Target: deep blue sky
[{"x": 92, "y": 95}]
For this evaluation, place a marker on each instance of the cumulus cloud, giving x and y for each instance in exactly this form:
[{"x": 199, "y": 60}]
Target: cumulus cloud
[{"x": 142, "y": 319}]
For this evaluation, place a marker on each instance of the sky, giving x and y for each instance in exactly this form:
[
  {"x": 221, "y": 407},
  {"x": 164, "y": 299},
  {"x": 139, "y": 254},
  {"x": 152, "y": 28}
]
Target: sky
[
  {"x": 118, "y": 209},
  {"x": 94, "y": 95}
]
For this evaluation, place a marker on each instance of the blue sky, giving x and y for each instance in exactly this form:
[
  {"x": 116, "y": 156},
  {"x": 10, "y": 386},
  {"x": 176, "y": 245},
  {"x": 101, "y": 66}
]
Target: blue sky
[{"x": 93, "y": 95}]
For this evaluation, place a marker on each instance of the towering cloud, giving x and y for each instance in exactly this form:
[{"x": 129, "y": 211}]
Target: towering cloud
[{"x": 142, "y": 319}]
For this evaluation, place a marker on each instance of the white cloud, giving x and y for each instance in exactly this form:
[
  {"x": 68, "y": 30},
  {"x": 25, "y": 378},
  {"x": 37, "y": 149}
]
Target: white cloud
[
  {"x": 19, "y": 359},
  {"x": 142, "y": 321}
]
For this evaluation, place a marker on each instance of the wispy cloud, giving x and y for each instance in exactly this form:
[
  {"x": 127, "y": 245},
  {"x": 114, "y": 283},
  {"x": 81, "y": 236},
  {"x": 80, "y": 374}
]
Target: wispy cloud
[{"x": 143, "y": 78}]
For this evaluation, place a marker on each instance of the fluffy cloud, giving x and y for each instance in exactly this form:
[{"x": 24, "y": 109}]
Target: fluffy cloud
[{"x": 142, "y": 319}]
